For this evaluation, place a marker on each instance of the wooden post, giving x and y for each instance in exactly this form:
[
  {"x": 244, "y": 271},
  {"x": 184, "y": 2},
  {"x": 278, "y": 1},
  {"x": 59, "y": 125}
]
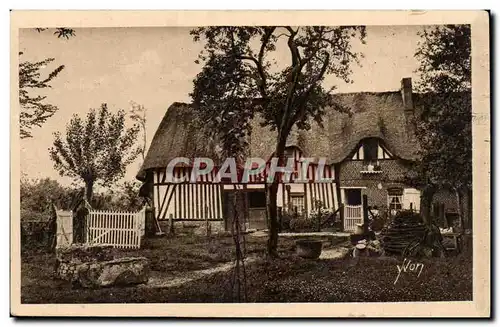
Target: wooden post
[
  {"x": 306, "y": 211},
  {"x": 280, "y": 217},
  {"x": 149, "y": 222},
  {"x": 342, "y": 217},
  {"x": 319, "y": 220},
  {"x": 365, "y": 214},
  {"x": 171, "y": 223}
]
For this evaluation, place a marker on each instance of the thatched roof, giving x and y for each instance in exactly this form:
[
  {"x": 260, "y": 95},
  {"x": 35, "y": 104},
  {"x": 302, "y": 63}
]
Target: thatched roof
[{"x": 379, "y": 115}]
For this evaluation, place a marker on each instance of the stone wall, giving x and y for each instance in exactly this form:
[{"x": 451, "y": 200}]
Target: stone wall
[{"x": 96, "y": 266}]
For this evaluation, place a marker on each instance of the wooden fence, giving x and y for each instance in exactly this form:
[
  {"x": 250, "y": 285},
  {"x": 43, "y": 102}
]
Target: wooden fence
[
  {"x": 118, "y": 229},
  {"x": 353, "y": 215}
]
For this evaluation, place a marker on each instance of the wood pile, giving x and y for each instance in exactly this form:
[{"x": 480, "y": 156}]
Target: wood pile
[{"x": 406, "y": 228}]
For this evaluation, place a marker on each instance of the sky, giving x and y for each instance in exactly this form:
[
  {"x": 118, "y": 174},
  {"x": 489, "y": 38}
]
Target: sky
[{"x": 155, "y": 67}]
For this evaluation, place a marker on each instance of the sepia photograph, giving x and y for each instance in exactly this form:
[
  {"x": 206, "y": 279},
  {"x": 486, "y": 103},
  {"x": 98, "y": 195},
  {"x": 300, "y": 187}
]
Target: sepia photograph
[{"x": 327, "y": 161}]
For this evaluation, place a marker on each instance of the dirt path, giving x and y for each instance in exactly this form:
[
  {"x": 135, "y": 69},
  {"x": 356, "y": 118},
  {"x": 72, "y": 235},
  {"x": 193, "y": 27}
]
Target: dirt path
[{"x": 159, "y": 281}]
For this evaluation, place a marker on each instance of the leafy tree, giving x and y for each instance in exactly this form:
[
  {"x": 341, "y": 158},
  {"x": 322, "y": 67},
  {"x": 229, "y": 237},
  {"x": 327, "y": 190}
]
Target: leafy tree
[
  {"x": 37, "y": 196},
  {"x": 97, "y": 150},
  {"x": 121, "y": 197},
  {"x": 138, "y": 115},
  {"x": 241, "y": 78},
  {"x": 34, "y": 110},
  {"x": 444, "y": 127}
]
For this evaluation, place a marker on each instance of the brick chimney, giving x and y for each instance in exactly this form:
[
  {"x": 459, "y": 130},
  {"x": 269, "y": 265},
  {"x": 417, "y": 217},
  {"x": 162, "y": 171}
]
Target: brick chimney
[{"x": 407, "y": 93}]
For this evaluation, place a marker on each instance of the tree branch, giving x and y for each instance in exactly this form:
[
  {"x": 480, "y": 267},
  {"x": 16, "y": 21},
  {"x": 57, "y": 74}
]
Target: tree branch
[
  {"x": 302, "y": 108},
  {"x": 260, "y": 64},
  {"x": 295, "y": 73}
]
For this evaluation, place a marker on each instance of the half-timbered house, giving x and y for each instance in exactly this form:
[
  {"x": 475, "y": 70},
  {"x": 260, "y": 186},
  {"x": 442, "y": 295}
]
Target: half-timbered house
[{"x": 367, "y": 148}]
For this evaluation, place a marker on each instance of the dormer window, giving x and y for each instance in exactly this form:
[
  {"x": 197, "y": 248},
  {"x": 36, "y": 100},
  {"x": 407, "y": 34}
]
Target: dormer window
[{"x": 370, "y": 151}]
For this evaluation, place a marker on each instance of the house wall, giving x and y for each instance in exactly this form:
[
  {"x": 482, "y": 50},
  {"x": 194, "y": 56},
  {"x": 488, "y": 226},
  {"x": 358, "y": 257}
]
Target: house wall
[
  {"x": 392, "y": 175},
  {"x": 186, "y": 201},
  {"x": 376, "y": 185},
  {"x": 392, "y": 171},
  {"x": 204, "y": 199},
  {"x": 312, "y": 192}
]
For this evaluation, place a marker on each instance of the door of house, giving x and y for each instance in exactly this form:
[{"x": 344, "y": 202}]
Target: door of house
[
  {"x": 353, "y": 196},
  {"x": 353, "y": 208}
]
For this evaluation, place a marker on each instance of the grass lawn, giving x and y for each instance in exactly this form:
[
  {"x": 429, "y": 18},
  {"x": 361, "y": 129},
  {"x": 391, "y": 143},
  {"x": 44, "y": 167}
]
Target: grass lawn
[{"x": 289, "y": 279}]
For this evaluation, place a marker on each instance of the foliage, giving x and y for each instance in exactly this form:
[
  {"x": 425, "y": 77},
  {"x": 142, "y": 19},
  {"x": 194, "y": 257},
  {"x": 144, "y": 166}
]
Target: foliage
[
  {"x": 381, "y": 220},
  {"x": 60, "y": 32},
  {"x": 297, "y": 222},
  {"x": 97, "y": 150},
  {"x": 138, "y": 115},
  {"x": 444, "y": 125},
  {"x": 37, "y": 196},
  {"x": 302, "y": 224},
  {"x": 123, "y": 197},
  {"x": 445, "y": 60},
  {"x": 34, "y": 110},
  {"x": 241, "y": 79}
]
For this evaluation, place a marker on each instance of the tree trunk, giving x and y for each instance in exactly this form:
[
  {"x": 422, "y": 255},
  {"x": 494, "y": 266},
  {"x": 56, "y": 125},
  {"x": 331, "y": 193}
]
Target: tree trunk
[
  {"x": 426, "y": 203},
  {"x": 272, "y": 206},
  {"x": 89, "y": 188}
]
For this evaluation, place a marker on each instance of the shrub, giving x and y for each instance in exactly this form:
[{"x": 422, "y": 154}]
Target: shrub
[
  {"x": 286, "y": 218},
  {"x": 301, "y": 224},
  {"x": 319, "y": 215},
  {"x": 296, "y": 222}
]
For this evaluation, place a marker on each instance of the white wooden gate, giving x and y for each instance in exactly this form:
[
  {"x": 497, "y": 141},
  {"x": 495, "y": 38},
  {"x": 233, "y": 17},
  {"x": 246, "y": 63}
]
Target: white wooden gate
[
  {"x": 118, "y": 229},
  {"x": 353, "y": 215},
  {"x": 64, "y": 233}
]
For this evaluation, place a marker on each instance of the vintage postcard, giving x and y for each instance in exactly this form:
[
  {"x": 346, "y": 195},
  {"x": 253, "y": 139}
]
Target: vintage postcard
[{"x": 293, "y": 164}]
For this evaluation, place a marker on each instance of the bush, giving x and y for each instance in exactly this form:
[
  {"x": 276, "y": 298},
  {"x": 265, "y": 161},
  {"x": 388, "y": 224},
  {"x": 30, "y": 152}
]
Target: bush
[
  {"x": 296, "y": 222},
  {"x": 319, "y": 215},
  {"x": 37, "y": 236},
  {"x": 286, "y": 218},
  {"x": 302, "y": 224}
]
